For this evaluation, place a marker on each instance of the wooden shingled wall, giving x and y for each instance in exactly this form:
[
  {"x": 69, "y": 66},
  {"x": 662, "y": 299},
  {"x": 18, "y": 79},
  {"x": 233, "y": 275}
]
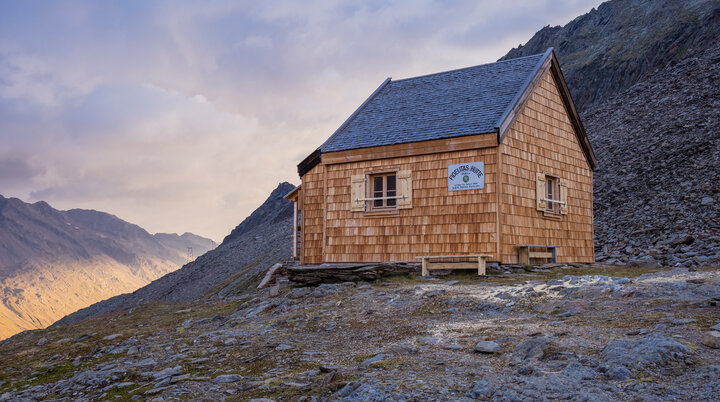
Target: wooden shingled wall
[
  {"x": 439, "y": 222},
  {"x": 542, "y": 140},
  {"x": 313, "y": 201}
]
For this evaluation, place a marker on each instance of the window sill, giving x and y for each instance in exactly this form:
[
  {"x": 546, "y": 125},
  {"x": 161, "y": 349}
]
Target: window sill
[
  {"x": 385, "y": 212},
  {"x": 552, "y": 215}
]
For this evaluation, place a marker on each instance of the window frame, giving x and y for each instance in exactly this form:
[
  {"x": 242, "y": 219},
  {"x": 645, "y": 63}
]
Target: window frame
[
  {"x": 552, "y": 192},
  {"x": 370, "y": 191}
]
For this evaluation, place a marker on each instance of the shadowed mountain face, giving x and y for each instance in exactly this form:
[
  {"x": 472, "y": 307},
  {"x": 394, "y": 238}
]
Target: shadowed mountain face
[
  {"x": 644, "y": 74},
  {"x": 55, "y": 262},
  {"x": 235, "y": 266}
]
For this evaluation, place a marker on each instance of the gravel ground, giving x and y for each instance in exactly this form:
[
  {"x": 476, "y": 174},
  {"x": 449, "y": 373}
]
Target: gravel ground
[{"x": 568, "y": 333}]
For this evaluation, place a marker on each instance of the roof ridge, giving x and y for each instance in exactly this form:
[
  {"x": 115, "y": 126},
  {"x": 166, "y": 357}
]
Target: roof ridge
[{"x": 467, "y": 68}]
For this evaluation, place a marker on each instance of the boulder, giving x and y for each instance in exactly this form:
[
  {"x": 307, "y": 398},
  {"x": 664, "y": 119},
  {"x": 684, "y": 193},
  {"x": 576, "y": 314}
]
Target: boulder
[
  {"x": 374, "y": 359},
  {"x": 579, "y": 372},
  {"x": 487, "y": 347},
  {"x": 653, "y": 348},
  {"x": 533, "y": 348},
  {"x": 358, "y": 391},
  {"x": 227, "y": 378},
  {"x": 112, "y": 337},
  {"x": 482, "y": 389},
  {"x": 646, "y": 261},
  {"x": 711, "y": 339},
  {"x": 168, "y": 372}
]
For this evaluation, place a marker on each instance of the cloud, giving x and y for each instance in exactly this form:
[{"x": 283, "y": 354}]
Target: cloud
[
  {"x": 183, "y": 116},
  {"x": 16, "y": 170}
]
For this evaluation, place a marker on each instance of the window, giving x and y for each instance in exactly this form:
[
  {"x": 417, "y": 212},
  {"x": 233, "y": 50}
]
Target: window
[
  {"x": 552, "y": 193},
  {"x": 383, "y": 189}
]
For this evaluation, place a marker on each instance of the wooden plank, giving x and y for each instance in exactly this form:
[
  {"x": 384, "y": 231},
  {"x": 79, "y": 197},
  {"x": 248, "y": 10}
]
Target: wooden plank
[
  {"x": 295, "y": 229},
  {"x": 524, "y": 257},
  {"x": 455, "y": 256},
  {"x": 452, "y": 265},
  {"x": 324, "y": 226},
  {"x": 541, "y": 254},
  {"x": 481, "y": 265},
  {"x": 268, "y": 276},
  {"x": 498, "y": 200}
]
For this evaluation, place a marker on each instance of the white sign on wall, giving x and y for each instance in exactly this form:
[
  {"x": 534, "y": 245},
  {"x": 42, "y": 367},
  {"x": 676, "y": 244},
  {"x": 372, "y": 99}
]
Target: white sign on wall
[{"x": 466, "y": 176}]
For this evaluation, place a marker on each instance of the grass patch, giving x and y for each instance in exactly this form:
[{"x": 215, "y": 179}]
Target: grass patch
[
  {"x": 430, "y": 307},
  {"x": 362, "y": 357},
  {"x": 241, "y": 288},
  {"x": 707, "y": 319},
  {"x": 388, "y": 364},
  {"x": 255, "y": 368},
  {"x": 125, "y": 394},
  {"x": 53, "y": 373}
]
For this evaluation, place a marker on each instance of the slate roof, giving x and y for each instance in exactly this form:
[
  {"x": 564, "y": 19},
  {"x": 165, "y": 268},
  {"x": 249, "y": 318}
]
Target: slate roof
[{"x": 456, "y": 103}]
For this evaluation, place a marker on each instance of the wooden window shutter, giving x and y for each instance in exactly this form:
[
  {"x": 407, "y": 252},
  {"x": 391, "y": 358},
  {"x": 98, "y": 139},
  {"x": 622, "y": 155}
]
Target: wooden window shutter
[
  {"x": 357, "y": 193},
  {"x": 563, "y": 198},
  {"x": 404, "y": 178},
  {"x": 540, "y": 192}
]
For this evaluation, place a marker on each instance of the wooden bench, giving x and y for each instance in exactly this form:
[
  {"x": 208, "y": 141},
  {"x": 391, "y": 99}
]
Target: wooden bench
[
  {"x": 525, "y": 254},
  {"x": 479, "y": 264}
]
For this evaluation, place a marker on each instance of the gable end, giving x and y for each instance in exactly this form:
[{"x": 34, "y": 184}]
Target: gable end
[{"x": 548, "y": 62}]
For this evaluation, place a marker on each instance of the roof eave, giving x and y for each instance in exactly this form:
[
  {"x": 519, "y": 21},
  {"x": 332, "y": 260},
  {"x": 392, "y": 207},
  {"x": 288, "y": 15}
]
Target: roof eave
[
  {"x": 310, "y": 161},
  {"x": 511, "y": 112},
  {"x": 292, "y": 195}
]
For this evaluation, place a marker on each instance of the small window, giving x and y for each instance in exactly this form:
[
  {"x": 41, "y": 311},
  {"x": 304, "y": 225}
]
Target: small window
[
  {"x": 552, "y": 194},
  {"x": 383, "y": 191}
]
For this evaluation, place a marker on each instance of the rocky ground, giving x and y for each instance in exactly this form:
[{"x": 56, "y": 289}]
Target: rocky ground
[{"x": 574, "y": 333}]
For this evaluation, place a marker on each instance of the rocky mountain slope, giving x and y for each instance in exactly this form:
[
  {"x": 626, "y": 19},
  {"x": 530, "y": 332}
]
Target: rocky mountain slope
[
  {"x": 657, "y": 185},
  {"x": 644, "y": 75},
  {"x": 623, "y": 42},
  {"x": 568, "y": 334},
  {"x": 55, "y": 262},
  {"x": 235, "y": 266}
]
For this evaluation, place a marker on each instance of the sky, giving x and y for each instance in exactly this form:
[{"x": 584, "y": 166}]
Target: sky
[{"x": 183, "y": 116}]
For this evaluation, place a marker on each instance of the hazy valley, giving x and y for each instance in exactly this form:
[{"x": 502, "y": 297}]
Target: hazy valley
[{"x": 53, "y": 263}]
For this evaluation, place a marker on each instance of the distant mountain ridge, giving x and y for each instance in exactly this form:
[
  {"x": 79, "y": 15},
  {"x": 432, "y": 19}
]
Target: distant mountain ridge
[{"x": 54, "y": 262}]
